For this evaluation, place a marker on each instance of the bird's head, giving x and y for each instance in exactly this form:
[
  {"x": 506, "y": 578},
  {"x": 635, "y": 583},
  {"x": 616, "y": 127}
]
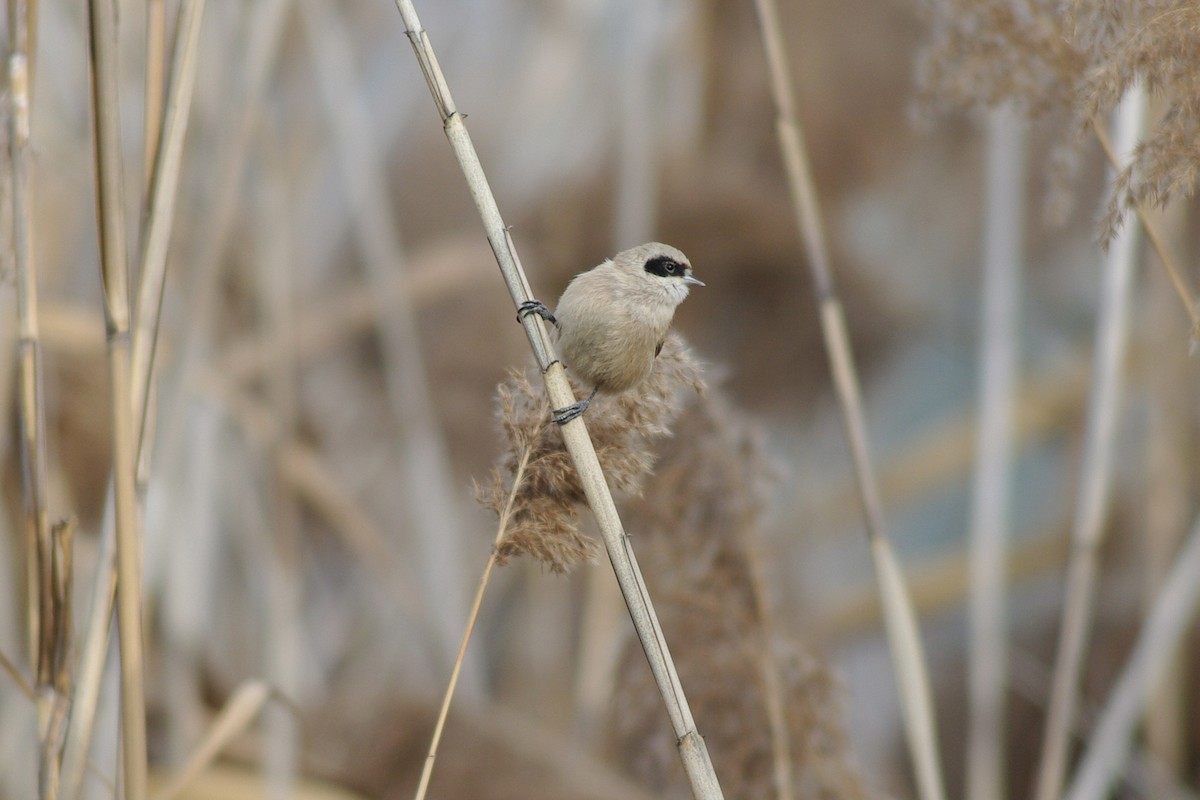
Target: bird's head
[{"x": 660, "y": 268}]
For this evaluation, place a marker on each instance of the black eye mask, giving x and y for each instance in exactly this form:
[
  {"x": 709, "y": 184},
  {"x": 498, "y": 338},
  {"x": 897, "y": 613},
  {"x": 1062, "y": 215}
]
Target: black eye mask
[{"x": 665, "y": 266}]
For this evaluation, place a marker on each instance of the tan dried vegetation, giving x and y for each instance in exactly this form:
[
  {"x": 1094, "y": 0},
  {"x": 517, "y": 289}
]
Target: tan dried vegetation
[{"x": 1074, "y": 61}]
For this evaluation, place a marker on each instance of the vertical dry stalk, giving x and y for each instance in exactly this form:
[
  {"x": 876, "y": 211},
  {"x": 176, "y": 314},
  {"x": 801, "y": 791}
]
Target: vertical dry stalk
[
  {"x": 164, "y": 181},
  {"x": 998, "y": 346},
  {"x": 1095, "y": 481},
  {"x": 102, "y": 24},
  {"x": 691, "y": 746},
  {"x": 1111, "y": 743},
  {"x": 903, "y": 636},
  {"x": 30, "y": 403},
  {"x": 54, "y": 677},
  {"x": 249, "y": 76},
  {"x": 1167, "y": 492},
  {"x": 282, "y": 645},
  {"x": 156, "y": 40},
  {"x": 774, "y": 694},
  {"x": 639, "y": 76},
  {"x": 48, "y": 591}
]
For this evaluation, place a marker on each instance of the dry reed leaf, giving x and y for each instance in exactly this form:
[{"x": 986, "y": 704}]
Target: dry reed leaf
[
  {"x": 16, "y": 676},
  {"x": 239, "y": 712},
  {"x": 239, "y": 783},
  {"x": 545, "y": 520}
]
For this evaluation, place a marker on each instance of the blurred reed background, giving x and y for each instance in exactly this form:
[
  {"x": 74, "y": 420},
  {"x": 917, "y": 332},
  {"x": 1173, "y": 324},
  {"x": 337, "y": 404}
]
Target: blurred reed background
[{"x": 333, "y": 332}]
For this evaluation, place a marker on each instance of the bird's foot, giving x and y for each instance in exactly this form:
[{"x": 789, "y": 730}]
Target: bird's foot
[
  {"x": 535, "y": 307},
  {"x": 564, "y": 415}
]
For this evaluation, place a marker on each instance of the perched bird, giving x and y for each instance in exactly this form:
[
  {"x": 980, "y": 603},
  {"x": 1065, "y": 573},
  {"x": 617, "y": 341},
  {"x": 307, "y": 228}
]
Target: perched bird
[{"x": 612, "y": 319}]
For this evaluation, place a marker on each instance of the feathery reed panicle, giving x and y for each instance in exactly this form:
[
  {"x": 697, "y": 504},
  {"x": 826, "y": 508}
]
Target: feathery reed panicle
[
  {"x": 698, "y": 521},
  {"x": 1156, "y": 45},
  {"x": 1015, "y": 53},
  {"x": 1045, "y": 61},
  {"x": 545, "y": 520},
  {"x": 987, "y": 52}
]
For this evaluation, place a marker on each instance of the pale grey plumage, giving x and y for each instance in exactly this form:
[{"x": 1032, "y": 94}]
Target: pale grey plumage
[{"x": 612, "y": 319}]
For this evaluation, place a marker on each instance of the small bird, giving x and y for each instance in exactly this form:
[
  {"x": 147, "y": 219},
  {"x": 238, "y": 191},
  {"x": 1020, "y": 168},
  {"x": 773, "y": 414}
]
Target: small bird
[{"x": 612, "y": 320}]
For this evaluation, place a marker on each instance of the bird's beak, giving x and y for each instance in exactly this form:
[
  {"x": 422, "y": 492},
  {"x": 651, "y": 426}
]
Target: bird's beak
[{"x": 693, "y": 280}]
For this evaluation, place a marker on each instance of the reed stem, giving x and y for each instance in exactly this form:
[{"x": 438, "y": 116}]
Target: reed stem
[
  {"x": 102, "y": 24},
  {"x": 1095, "y": 480},
  {"x": 30, "y": 403},
  {"x": 160, "y": 204},
  {"x": 1111, "y": 744},
  {"x": 916, "y": 702},
  {"x": 998, "y": 347}
]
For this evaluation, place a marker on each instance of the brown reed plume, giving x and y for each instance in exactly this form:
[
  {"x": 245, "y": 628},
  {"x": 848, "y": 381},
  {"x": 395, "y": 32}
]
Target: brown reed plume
[
  {"x": 545, "y": 521},
  {"x": 770, "y": 706}
]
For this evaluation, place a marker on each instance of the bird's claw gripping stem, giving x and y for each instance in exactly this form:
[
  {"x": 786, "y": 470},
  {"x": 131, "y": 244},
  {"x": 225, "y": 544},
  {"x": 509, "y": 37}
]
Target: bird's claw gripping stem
[
  {"x": 535, "y": 307},
  {"x": 564, "y": 415}
]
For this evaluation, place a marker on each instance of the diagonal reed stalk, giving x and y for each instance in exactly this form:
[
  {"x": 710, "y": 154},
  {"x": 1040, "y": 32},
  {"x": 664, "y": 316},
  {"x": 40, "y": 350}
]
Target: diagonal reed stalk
[
  {"x": 696, "y": 762},
  {"x": 244, "y": 705},
  {"x": 160, "y": 204},
  {"x": 501, "y": 530},
  {"x": 14, "y": 673},
  {"x": 1004, "y": 212},
  {"x": 1095, "y": 480},
  {"x": 114, "y": 266},
  {"x": 903, "y": 635},
  {"x": 1110, "y": 745},
  {"x": 155, "y": 237},
  {"x": 1178, "y": 283}
]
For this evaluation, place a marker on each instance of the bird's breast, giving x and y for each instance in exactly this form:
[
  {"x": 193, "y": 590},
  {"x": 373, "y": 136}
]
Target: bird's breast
[{"x": 612, "y": 347}]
